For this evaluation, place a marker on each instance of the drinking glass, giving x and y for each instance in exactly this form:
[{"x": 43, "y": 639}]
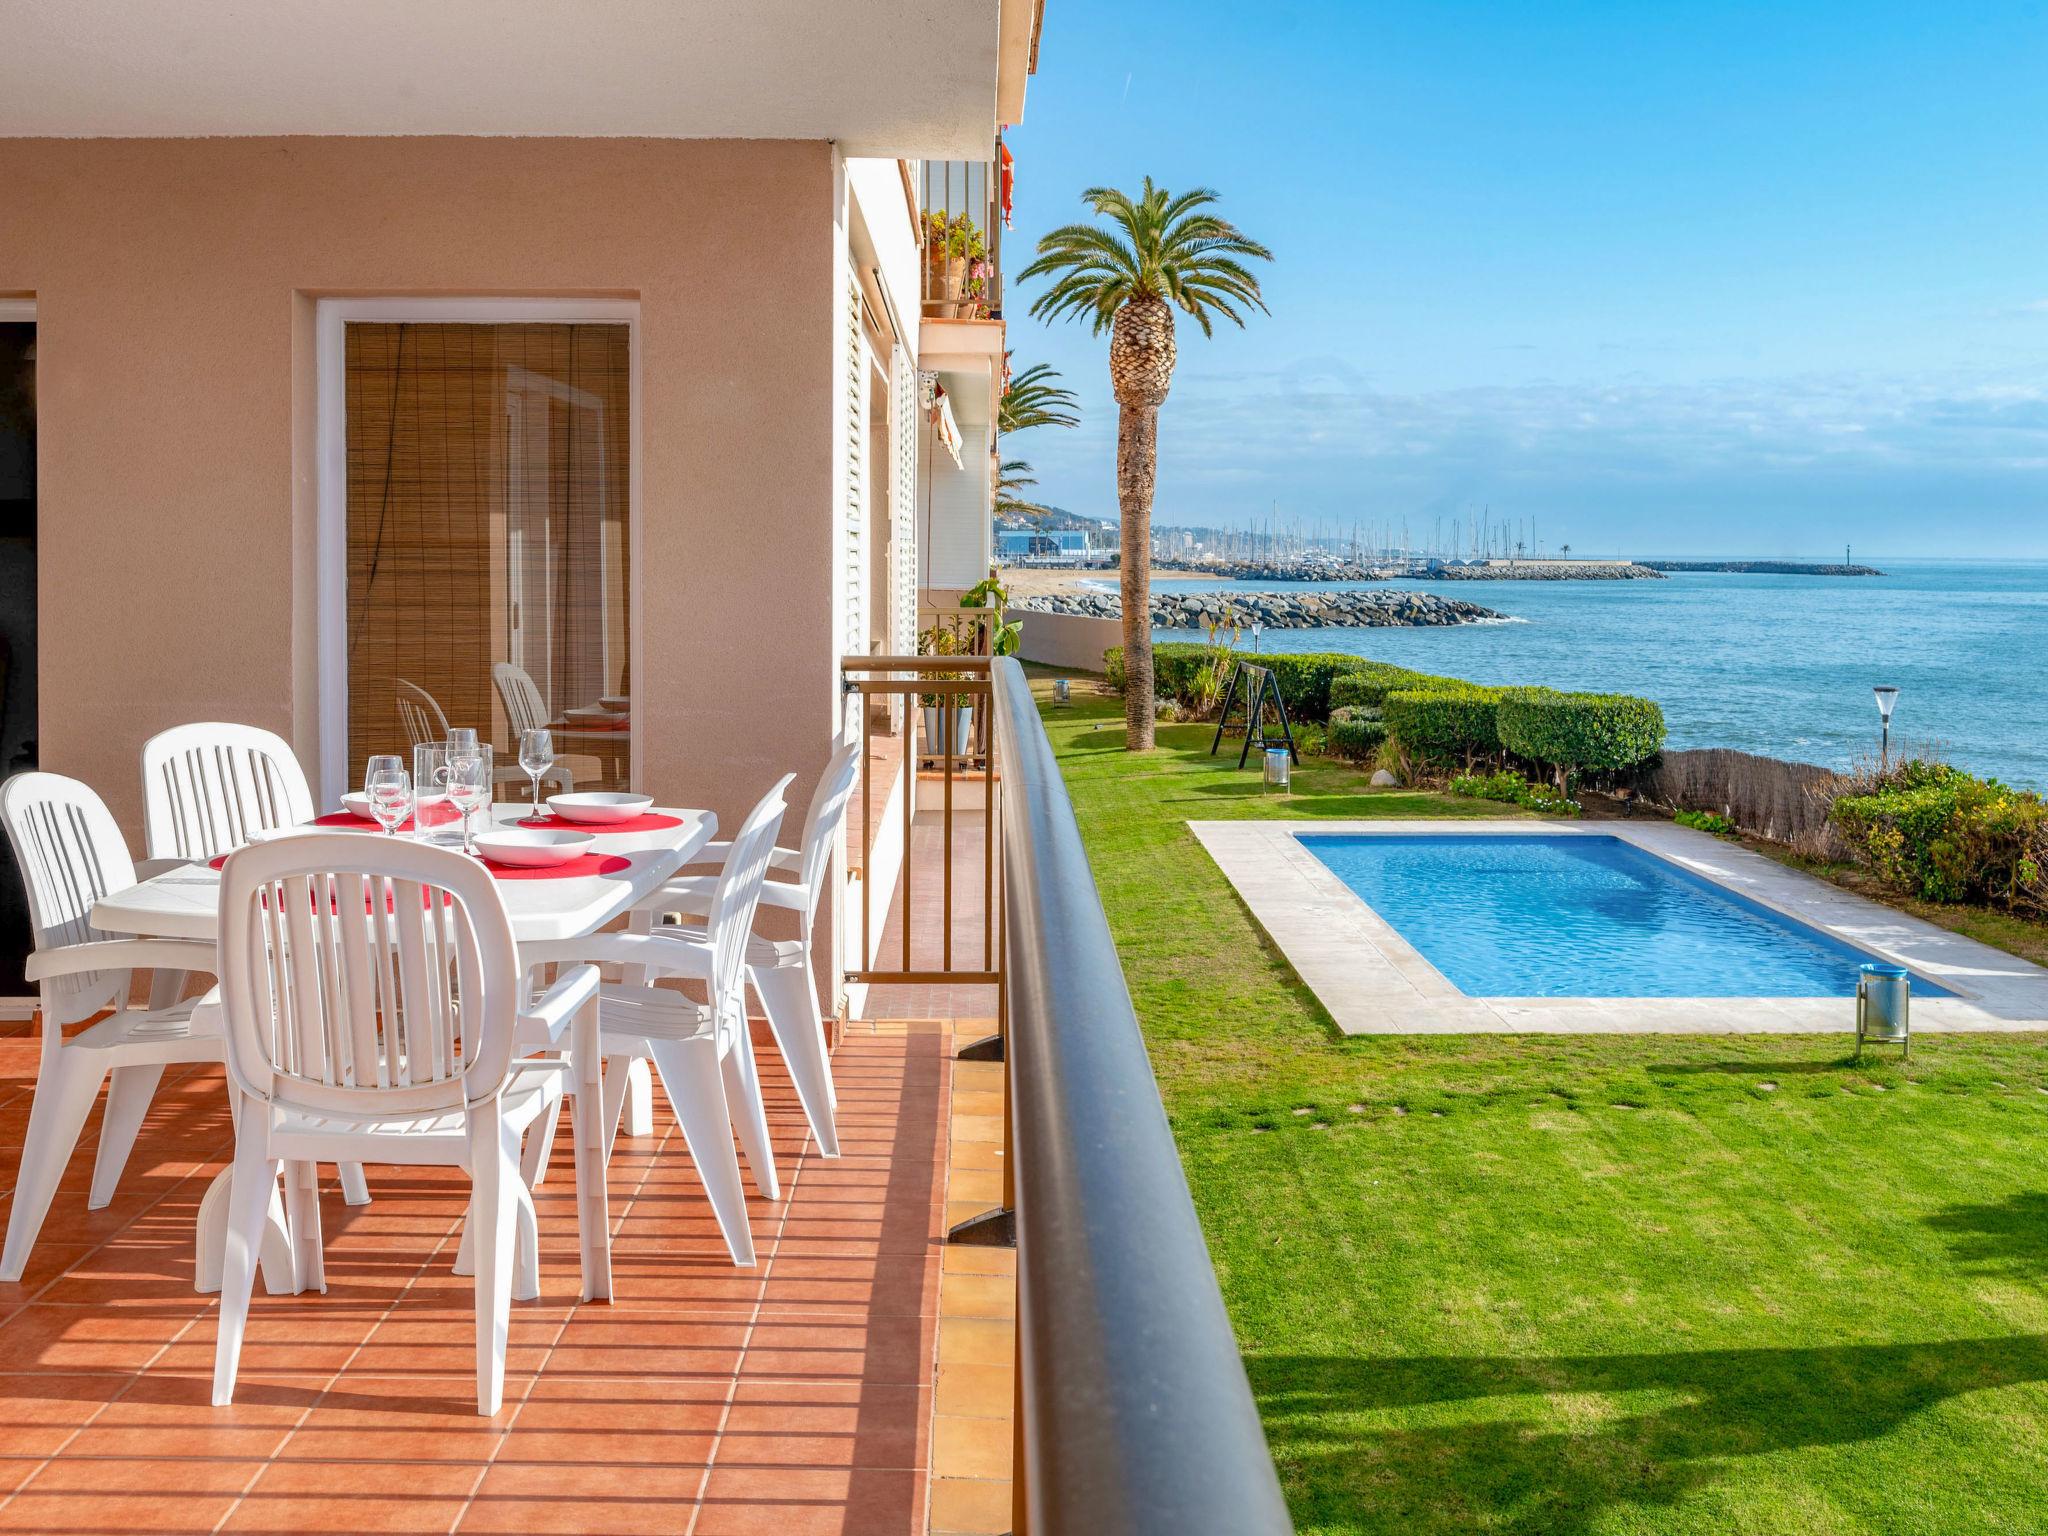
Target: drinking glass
[
  {"x": 536, "y": 756},
  {"x": 390, "y": 792},
  {"x": 469, "y": 787},
  {"x": 432, "y": 810}
]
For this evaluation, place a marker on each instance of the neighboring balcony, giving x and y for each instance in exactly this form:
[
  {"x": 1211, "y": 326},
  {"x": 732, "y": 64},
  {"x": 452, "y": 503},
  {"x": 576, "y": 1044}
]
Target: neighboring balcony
[{"x": 962, "y": 274}]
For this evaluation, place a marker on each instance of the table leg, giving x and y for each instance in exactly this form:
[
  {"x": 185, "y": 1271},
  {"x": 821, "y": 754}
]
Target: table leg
[
  {"x": 165, "y": 988},
  {"x": 639, "y": 1110},
  {"x": 593, "y": 1200},
  {"x": 210, "y": 1241}
]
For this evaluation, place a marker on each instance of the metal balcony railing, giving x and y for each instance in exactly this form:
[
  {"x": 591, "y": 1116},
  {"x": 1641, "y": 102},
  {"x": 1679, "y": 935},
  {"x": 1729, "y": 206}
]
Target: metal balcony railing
[
  {"x": 1134, "y": 1417},
  {"x": 963, "y": 237}
]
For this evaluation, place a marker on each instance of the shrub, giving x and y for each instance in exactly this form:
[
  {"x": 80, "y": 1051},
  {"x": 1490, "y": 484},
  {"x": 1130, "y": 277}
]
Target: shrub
[
  {"x": 1304, "y": 677},
  {"x": 1355, "y": 733},
  {"x": 1366, "y": 684},
  {"x": 1943, "y": 835},
  {"x": 1706, "y": 821},
  {"x": 1579, "y": 732},
  {"x": 1513, "y": 789},
  {"x": 1444, "y": 722}
]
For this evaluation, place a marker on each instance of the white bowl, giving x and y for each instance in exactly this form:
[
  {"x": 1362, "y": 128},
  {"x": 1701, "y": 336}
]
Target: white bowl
[
  {"x": 598, "y": 807},
  {"x": 617, "y": 703},
  {"x": 358, "y": 804},
  {"x": 533, "y": 848}
]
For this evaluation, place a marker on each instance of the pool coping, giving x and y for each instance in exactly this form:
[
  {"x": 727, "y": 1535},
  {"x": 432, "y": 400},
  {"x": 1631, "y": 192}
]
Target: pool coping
[{"x": 1374, "y": 982}]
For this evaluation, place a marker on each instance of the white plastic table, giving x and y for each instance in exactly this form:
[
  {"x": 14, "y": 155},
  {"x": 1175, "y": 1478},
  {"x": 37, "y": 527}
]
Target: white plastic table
[{"x": 183, "y": 901}]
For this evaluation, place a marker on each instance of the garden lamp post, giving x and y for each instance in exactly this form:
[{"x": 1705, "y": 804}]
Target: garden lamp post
[
  {"x": 1887, "y": 701},
  {"x": 1258, "y": 628}
]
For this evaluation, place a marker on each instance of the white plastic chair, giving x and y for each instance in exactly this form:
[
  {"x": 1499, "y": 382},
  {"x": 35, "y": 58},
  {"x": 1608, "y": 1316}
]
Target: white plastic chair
[
  {"x": 206, "y": 787},
  {"x": 701, "y": 1051},
  {"x": 371, "y": 989},
  {"x": 526, "y": 710},
  {"x": 426, "y": 724},
  {"x": 70, "y": 854},
  {"x": 780, "y": 969}
]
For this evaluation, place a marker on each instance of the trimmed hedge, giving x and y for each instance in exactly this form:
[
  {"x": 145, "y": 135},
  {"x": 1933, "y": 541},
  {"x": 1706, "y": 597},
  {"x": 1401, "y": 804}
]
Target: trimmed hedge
[
  {"x": 1441, "y": 720},
  {"x": 1304, "y": 677},
  {"x": 1367, "y": 683},
  {"x": 1444, "y": 722},
  {"x": 1579, "y": 732},
  {"x": 1355, "y": 732}
]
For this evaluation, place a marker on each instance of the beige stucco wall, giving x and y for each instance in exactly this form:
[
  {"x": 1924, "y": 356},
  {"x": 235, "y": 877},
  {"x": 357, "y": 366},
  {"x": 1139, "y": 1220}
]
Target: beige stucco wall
[
  {"x": 1067, "y": 639},
  {"x": 175, "y": 282}
]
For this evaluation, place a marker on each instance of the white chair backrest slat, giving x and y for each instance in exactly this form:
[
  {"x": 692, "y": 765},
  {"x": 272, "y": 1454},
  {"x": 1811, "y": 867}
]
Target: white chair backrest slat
[
  {"x": 70, "y": 854},
  {"x": 735, "y": 899},
  {"x": 422, "y": 717},
  {"x": 207, "y": 786},
  {"x": 364, "y": 975},
  {"x": 821, "y": 826},
  {"x": 525, "y": 709}
]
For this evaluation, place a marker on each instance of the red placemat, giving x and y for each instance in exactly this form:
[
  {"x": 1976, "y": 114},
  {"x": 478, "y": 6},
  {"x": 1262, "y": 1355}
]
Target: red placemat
[
  {"x": 588, "y": 864},
  {"x": 349, "y": 821},
  {"x": 653, "y": 821}
]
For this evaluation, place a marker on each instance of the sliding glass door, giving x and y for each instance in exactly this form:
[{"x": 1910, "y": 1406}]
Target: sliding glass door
[
  {"x": 488, "y": 488},
  {"x": 17, "y": 609}
]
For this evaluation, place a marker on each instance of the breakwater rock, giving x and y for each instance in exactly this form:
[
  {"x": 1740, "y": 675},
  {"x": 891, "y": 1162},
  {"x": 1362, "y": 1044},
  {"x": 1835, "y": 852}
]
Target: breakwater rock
[
  {"x": 1275, "y": 610},
  {"x": 1764, "y": 567},
  {"x": 1548, "y": 570}
]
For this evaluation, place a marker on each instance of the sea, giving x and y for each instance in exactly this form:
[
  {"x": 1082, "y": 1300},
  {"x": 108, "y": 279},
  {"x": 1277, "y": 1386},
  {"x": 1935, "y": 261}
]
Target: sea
[{"x": 1777, "y": 665}]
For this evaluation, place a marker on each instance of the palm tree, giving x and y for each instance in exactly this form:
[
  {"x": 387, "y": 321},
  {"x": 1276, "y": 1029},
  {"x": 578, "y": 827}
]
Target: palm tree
[
  {"x": 1126, "y": 275},
  {"x": 1032, "y": 399},
  {"x": 1012, "y": 476}
]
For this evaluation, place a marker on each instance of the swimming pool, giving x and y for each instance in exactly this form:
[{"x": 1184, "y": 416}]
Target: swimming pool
[{"x": 1583, "y": 915}]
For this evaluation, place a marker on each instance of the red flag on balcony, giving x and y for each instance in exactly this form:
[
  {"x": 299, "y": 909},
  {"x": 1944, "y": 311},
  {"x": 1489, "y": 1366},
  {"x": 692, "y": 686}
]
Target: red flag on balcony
[{"x": 1009, "y": 171}]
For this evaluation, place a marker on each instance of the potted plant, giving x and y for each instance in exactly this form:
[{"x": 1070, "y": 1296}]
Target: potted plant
[
  {"x": 950, "y": 246},
  {"x": 974, "y": 296},
  {"x": 943, "y": 639},
  {"x": 994, "y": 635}
]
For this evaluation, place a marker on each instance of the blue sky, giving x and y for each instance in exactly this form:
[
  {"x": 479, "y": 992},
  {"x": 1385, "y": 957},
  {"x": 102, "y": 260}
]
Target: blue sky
[{"x": 1664, "y": 278}]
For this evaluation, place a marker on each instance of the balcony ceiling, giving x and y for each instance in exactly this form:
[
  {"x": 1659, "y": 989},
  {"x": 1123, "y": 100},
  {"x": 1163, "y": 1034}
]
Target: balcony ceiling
[{"x": 909, "y": 78}]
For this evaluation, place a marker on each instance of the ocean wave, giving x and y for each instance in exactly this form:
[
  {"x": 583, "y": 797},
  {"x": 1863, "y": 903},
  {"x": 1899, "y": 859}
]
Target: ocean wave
[{"x": 1500, "y": 618}]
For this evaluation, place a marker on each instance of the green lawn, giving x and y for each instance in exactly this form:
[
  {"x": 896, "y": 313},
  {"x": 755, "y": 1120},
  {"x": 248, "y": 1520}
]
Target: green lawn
[{"x": 1604, "y": 1284}]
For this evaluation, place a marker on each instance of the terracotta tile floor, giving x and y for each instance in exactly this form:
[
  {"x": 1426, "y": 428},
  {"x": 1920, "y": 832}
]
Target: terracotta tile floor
[{"x": 792, "y": 1398}]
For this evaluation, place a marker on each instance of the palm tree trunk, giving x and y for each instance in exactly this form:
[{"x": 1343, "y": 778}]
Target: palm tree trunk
[{"x": 1137, "y": 472}]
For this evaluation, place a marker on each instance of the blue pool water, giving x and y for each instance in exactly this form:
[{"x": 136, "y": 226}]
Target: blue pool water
[{"x": 1547, "y": 916}]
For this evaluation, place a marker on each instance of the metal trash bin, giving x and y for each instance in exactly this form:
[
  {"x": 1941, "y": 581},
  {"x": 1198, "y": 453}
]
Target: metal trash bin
[
  {"x": 1062, "y": 691},
  {"x": 1279, "y": 769},
  {"x": 1884, "y": 1007}
]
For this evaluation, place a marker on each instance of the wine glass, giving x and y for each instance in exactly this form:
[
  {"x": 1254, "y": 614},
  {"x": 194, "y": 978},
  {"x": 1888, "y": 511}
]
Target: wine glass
[
  {"x": 381, "y": 762},
  {"x": 462, "y": 741},
  {"x": 536, "y": 756},
  {"x": 469, "y": 787},
  {"x": 390, "y": 792}
]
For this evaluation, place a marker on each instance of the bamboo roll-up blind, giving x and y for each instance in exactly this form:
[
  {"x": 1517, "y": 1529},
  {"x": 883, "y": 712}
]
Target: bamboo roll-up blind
[{"x": 488, "y": 485}]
